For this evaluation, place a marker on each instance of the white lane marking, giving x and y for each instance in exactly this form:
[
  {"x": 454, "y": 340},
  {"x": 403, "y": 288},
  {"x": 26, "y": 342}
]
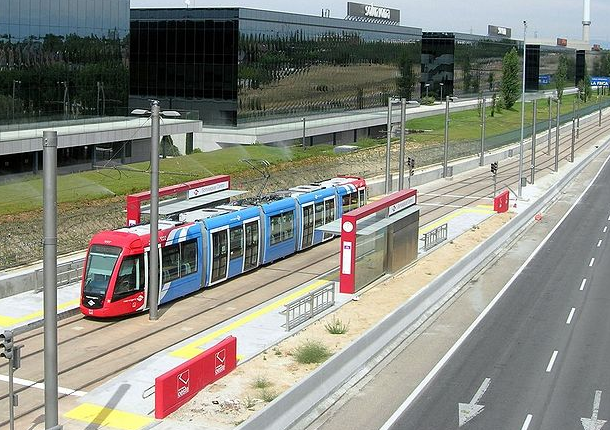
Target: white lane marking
[
  {"x": 608, "y": 217},
  {"x": 582, "y": 285},
  {"x": 569, "y": 320},
  {"x": 605, "y": 229},
  {"x": 467, "y": 411},
  {"x": 424, "y": 383},
  {"x": 599, "y": 243},
  {"x": 527, "y": 422},
  {"x": 40, "y": 386},
  {"x": 552, "y": 361},
  {"x": 592, "y": 262},
  {"x": 593, "y": 423}
]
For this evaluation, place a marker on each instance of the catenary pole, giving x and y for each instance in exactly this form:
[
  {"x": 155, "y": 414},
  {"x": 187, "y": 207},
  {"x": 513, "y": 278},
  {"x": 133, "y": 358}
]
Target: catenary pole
[
  {"x": 388, "y": 177},
  {"x": 534, "y": 120},
  {"x": 446, "y": 146},
  {"x": 49, "y": 147},
  {"x": 153, "y": 270},
  {"x": 403, "y": 125},
  {"x": 482, "y": 157},
  {"x": 557, "y": 136},
  {"x": 521, "y": 155}
]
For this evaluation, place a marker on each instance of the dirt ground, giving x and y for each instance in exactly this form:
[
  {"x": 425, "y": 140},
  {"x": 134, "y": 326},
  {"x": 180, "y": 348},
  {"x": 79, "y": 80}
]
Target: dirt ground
[{"x": 230, "y": 401}]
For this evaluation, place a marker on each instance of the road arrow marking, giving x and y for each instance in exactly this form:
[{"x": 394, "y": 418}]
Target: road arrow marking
[
  {"x": 593, "y": 423},
  {"x": 467, "y": 411}
]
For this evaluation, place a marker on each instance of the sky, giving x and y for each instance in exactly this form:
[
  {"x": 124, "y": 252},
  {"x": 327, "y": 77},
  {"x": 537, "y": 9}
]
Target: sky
[{"x": 545, "y": 18}]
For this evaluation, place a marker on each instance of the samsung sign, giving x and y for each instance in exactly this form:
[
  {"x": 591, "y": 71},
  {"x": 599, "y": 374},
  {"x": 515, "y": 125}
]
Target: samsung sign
[
  {"x": 372, "y": 12},
  {"x": 494, "y": 30}
]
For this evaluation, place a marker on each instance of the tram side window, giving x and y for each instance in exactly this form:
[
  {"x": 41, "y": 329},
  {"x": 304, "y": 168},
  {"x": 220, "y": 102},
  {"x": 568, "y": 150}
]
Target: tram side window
[
  {"x": 329, "y": 211},
  {"x": 236, "y": 235},
  {"x": 179, "y": 260},
  {"x": 362, "y": 197},
  {"x": 288, "y": 225},
  {"x": 319, "y": 214},
  {"x": 171, "y": 262},
  {"x": 130, "y": 278},
  {"x": 350, "y": 202},
  {"x": 345, "y": 203},
  {"x": 188, "y": 257},
  {"x": 282, "y": 227},
  {"x": 354, "y": 200}
]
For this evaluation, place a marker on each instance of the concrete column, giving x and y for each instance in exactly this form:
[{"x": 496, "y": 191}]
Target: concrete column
[{"x": 189, "y": 143}]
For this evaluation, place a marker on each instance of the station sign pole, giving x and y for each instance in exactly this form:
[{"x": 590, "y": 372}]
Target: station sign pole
[
  {"x": 548, "y": 150},
  {"x": 49, "y": 147},
  {"x": 388, "y": 149},
  {"x": 521, "y": 154},
  {"x": 573, "y": 140}
]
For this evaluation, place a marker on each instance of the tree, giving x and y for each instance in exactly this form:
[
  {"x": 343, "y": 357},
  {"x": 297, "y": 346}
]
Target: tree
[
  {"x": 407, "y": 78},
  {"x": 510, "y": 79},
  {"x": 490, "y": 81},
  {"x": 561, "y": 76},
  {"x": 584, "y": 87}
]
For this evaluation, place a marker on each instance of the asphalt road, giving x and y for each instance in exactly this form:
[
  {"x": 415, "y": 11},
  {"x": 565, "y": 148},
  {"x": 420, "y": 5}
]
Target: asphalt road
[{"x": 539, "y": 359}]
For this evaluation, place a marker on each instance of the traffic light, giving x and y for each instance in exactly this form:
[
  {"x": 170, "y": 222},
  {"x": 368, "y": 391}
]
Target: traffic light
[
  {"x": 494, "y": 168},
  {"x": 6, "y": 344},
  {"x": 411, "y": 164}
]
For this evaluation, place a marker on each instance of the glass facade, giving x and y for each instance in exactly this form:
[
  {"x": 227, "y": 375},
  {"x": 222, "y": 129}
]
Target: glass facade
[
  {"x": 63, "y": 59},
  {"x": 549, "y": 63},
  {"x": 241, "y": 65},
  {"x": 465, "y": 64}
]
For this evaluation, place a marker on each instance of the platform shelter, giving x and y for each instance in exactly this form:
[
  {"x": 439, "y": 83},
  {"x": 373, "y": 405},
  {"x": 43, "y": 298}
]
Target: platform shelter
[{"x": 377, "y": 239}]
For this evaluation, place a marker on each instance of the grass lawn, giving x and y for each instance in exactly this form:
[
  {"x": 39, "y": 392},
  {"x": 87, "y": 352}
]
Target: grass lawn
[{"x": 26, "y": 195}]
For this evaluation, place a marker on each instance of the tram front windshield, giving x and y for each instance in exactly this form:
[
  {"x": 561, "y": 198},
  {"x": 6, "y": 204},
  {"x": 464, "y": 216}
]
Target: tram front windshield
[{"x": 100, "y": 264}]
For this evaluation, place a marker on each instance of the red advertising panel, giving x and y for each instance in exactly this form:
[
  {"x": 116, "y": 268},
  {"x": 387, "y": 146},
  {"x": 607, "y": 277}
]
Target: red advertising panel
[
  {"x": 176, "y": 387},
  {"x": 501, "y": 202},
  {"x": 562, "y": 42}
]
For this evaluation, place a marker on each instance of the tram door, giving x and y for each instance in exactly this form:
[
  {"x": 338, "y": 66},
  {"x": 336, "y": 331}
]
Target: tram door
[
  {"x": 220, "y": 255},
  {"x": 308, "y": 226},
  {"x": 251, "y": 249},
  {"x": 146, "y": 272}
]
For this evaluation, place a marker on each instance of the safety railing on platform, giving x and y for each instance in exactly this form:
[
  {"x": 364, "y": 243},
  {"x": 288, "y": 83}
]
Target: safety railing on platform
[
  {"x": 306, "y": 307},
  {"x": 67, "y": 273},
  {"x": 434, "y": 237}
]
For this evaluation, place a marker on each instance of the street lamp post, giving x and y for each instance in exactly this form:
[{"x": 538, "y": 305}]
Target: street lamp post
[
  {"x": 520, "y": 185},
  {"x": 442, "y": 85},
  {"x": 153, "y": 268},
  {"x": 427, "y": 87},
  {"x": 15, "y": 82}
]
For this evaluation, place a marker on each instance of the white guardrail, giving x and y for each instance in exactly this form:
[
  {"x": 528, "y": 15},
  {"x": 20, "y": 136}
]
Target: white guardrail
[{"x": 302, "y": 398}]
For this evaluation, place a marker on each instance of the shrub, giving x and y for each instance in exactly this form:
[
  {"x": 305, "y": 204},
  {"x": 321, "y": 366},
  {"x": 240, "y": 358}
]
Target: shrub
[
  {"x": 336, "y": 326},
  {"x": 267, "y": 395},
  {"x": 428, "y": 101},
  {"x": 249, "y": 402},
  {"x": 311, "y": 352},
  {"x": 261, "y": 382}
]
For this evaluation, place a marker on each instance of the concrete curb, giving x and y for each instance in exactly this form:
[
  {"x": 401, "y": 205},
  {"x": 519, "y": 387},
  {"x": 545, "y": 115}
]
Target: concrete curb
[{"x": 293, "y": 404}]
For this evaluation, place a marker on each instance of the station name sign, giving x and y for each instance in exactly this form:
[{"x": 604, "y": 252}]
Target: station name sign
[{"x": 371, "y": 11}]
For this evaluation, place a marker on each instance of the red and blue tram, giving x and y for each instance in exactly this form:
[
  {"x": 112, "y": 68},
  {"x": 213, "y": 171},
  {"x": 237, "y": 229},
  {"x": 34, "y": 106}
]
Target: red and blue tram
[{"x": 205, "y": 247}]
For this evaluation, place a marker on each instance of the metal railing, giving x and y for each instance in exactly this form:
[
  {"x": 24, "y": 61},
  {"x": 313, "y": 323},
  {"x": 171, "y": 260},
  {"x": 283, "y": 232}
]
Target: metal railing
[
  {"x": 304, "y": 308},
  {"x": 434, "y": 237},
  {"x": 67, "y": 273}
]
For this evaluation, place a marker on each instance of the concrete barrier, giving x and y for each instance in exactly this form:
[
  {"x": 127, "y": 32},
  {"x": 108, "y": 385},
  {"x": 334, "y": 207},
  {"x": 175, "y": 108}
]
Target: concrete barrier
[{"x": 295, "y": 403}]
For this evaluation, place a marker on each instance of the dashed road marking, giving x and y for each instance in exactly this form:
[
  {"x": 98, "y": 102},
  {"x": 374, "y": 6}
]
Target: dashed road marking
[
  {"x": 549, "y": 367},
  {"x": 582, "y": 284},
  {"x": 569, "y": 320},
  {"x": 592, "y": 262},
  {"x": 527, "y": 422}
]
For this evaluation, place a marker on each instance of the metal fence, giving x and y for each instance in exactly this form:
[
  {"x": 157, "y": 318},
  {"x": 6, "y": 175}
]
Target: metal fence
[
  {"x": 304, "y": 308},
  {"x": 67, "y": 273},
  {"x": 434, "y": 237}
]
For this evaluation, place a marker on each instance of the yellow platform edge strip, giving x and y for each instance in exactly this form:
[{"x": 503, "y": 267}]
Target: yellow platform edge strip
[
  {"x": 106, "y": 417},
  {"x": 10, "y": 321},
  {"x": 192, "y": 349}
]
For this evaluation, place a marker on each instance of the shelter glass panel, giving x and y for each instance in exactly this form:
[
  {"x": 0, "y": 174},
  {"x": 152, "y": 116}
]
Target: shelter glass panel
[{"x": 371, "y": 258}]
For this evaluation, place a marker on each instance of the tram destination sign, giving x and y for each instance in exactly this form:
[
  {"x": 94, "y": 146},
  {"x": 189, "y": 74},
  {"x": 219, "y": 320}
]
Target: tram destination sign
[{"x": 370, "y": 11}]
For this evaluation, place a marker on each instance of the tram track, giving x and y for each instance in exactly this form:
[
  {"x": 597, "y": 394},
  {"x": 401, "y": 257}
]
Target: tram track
[{"x": 88, "y": 364}]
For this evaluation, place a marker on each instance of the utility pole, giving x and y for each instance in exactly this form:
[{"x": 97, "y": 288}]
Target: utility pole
[
  {"x": 521, "y": 155},
  {"x": 482, "y": 157},
  {"x": 401, "y": 157},
  {"x": 153, "y": 278},
  {"x": 49, "y": 147},
  {"x": 534, "y": 119},
  {"x": 573, "y": 140},
  {"x": 446, "y": 148},
  {"x": 388, "y": 149},
  {"x": 303, "y": 140},
  {"x": 600, "y": 108},
  {"x": 557, "y": 136}
]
